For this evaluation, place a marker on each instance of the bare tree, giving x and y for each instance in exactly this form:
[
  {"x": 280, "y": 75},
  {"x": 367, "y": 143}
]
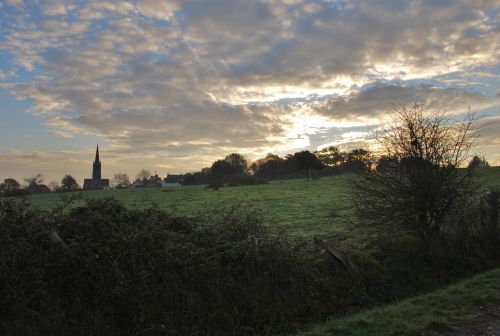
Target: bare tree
[
  {"x": 144, "y": 174},
  {"x": 427, "y": 135},
  {"x": 53, "y": 185},
  {"x": 35, "y": 185},
  {"x": 120, "y": 180},
  {"x": 421, "y": 187},
  {"x": 34, "y": 180}
]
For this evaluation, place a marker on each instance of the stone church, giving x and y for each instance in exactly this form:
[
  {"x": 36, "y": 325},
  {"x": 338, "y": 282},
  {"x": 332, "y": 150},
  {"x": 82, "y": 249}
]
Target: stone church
[{"x": 96, "y": 182}]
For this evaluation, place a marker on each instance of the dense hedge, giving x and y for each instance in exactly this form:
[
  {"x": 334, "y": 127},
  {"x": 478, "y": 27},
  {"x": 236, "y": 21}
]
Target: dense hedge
[
  {"x": 103, "y": 269},
  {"x": 117, "y": 271}
]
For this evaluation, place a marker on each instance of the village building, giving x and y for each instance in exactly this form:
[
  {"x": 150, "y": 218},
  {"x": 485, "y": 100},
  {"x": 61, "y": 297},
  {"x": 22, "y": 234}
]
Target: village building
[
  {"x": 152, "y": 182},
  {"x": 137, "y": 184},
  {"x": 173, "y": 180},
  {"x": 96, "y": 182},
  {"x": 157, "y": 182}
]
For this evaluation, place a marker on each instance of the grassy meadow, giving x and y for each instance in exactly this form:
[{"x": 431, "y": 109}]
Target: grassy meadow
[
  {"x": 442, "y": 310},
  {"x": 300, "y": 208}
]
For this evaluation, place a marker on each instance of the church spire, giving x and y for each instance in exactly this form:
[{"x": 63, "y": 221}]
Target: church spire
[
  {"x": 97, "y": 155},
  {"x": 96, "y": 169}
]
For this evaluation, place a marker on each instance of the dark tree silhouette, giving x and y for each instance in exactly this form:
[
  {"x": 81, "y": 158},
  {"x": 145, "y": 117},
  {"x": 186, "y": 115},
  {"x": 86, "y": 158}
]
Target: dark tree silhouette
[
  {"x": 238, "y": 163},
  {"x": 35, "y": 185},
  {"x": 478, "y": 162},
  {"x": 68, "y": 183},
  {"x": 358, "y": 160},
  {"x": 305, "y": 161},
  {"x": 221, "y": 169},
  {"x": 201, "y": 177},
  {"x": 386, "y": 162},
  {"x": 232, "y": 165},
  {"x": 120, "y": 180},
  {"x": 34, "y": 180},
  {"x": 331, "y": 156},
  {"x": 270, "y": 166},
  {"x": 9, "y": 185}
]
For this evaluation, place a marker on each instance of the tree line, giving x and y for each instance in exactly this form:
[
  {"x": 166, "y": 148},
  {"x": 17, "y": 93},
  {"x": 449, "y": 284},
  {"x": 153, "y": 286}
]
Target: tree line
[
  {"x": 233, "y": 167},
  {"x": 35, "y": 185},
  {"x": 327, "y": 161},
  {"x": 236, "y": 169}
]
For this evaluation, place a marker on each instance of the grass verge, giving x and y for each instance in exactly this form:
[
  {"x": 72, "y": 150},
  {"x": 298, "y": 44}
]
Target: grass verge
[{"x": 440, "y": 310}]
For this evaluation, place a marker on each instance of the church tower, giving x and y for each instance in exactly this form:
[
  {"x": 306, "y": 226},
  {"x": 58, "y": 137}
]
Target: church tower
[
  {"x": 96, "y": 169},
  {"x": 96, "y": 182}
]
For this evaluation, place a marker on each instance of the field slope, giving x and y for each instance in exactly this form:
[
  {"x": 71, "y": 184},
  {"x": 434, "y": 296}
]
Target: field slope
[
  {"x": 301, "y": 208},
  {"x": 446, "y": 311}
]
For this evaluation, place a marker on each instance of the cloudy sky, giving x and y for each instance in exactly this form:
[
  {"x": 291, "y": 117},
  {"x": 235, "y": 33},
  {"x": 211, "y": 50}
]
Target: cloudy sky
[{"x": 172, "y": 85}]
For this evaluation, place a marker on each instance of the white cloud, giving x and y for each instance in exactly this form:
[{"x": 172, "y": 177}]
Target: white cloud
[
  {"x": 16, "y": 3},
  {"x": 159, "y": 9},
  {"x": 54, "y": 9}
]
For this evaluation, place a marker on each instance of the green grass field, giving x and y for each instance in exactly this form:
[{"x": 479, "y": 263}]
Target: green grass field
[
  {"x": 443, "y": 309},
  {"x": 299, "y": 207}
]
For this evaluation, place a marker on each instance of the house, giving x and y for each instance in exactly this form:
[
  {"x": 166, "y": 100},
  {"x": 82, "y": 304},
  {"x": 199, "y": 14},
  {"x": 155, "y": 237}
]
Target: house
[
  {"x": 172, "y": 180},
  {"x": 152, "y": 182},
  {"x": 157, "y": 182},
  {"x": 137, "y": 184}
]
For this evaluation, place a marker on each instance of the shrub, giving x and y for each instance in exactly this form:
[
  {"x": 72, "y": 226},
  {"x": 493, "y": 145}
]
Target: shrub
[
  {"x": 489, "y": 207},
  {"x": 104, "y": 269},
  {"x": 421, "y": 191}
]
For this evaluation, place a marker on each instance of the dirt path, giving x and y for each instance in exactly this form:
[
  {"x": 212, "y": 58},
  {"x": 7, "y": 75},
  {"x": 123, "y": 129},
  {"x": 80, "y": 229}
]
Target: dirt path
[{"x": 485, "y": 322}]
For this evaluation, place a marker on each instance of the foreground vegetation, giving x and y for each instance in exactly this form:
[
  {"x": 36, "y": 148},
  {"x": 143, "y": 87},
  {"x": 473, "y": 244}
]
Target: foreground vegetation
[
  {"x": 102, "y": 267},
  {"x": 443, "y": 309}
]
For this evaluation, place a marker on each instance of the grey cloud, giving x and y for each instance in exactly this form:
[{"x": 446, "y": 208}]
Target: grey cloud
[
  {"x": 489, "y": 130},
  {"x": 375, "y": 100},
  {"x": 354, "y": 37}
]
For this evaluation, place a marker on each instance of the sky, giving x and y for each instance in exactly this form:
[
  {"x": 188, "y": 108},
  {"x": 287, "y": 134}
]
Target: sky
[{"x": 172, "y": 85}]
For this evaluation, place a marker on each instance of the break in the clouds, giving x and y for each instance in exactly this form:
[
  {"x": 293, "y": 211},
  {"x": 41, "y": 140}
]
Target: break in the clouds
[{"x": 187, "y": 81}]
